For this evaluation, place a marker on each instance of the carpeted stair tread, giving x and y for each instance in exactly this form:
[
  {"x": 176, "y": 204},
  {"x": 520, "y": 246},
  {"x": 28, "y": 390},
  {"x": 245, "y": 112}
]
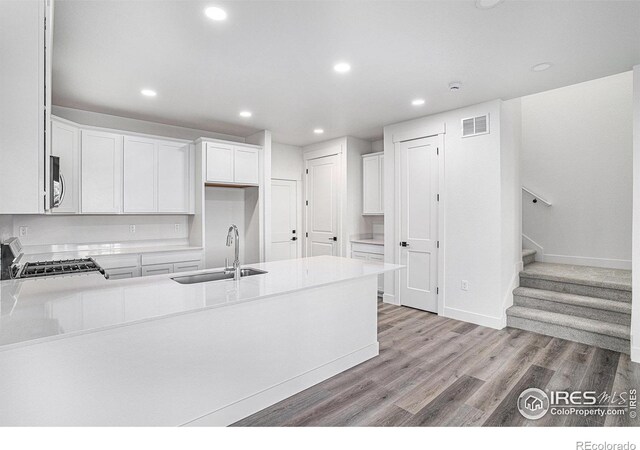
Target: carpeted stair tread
[
  {"x": 573, "y": 299},
  {"x": 598, "y": 277},
  {"x": 564, "y": 320}
]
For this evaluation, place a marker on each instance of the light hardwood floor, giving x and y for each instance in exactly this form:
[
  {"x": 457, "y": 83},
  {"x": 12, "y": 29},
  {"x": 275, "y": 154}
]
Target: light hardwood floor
[{"x": 434, "y": 371}]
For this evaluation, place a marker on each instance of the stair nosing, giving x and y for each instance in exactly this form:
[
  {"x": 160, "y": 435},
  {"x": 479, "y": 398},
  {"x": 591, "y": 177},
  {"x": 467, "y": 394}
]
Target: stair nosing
[
  {"x": 572, "y": 321},
  {"x": 616, "y": 306}
]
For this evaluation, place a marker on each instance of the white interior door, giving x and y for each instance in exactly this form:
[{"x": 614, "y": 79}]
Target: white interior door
[
  {"x": 322, "y": 182},
  {"x": 284, "y": 214},
  {"x": 419, "y": 223}
]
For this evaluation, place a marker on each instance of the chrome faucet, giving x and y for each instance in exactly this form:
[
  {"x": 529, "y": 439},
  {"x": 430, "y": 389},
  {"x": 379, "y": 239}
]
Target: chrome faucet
[{"x": 230, "y": 239}]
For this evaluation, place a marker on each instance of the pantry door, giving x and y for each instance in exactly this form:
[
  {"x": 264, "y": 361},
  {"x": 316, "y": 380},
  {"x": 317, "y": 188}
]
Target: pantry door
[
  {"x": 322, "y": 206},
  {"x": 419, "y": 223},
  {"x": 284, "y": 215}
]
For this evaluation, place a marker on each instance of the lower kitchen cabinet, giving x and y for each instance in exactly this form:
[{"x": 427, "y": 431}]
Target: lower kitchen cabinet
[
  {"x": 157, "y": 269},
  {"x": 119, "y": 274},
  {"x": 369, "y": 252}
]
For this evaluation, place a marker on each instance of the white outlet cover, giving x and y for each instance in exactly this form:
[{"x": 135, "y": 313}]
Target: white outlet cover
[
  {"x": 132, "y": 228},
  {"x": 24, "y": 231},
  {"x": 464, "y": 285}
]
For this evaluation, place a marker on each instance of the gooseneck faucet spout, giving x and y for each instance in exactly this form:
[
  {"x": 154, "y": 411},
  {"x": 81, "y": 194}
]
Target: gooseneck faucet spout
[{"x": 234, "y": 236}]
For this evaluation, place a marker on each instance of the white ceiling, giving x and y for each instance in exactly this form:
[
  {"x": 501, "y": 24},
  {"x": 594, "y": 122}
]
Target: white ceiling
[{"x": 276, "y": 58}]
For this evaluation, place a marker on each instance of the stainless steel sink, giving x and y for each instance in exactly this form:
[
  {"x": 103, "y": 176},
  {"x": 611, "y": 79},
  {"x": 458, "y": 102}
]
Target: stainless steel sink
[{"x": 216, "y": 276}]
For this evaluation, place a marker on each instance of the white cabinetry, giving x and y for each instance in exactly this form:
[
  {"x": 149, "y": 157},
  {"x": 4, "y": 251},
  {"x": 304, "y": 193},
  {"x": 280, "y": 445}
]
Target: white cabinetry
[
  {"x": 157, "y": 269},
  {"x": 372, "y": 184},
  {"x": 175, "y": 180},
  {"x": 23, "y": 105},
  {"x": 101, "y": 172},
  {"x": 157, "y": 176},
  {"x": 232, "y": 164},
  {"x": 154, "y": 263},
  {"x": 369, "y": 252},
  {"x": 140, "y": 175},
  {"x": 65, "y": 143}
]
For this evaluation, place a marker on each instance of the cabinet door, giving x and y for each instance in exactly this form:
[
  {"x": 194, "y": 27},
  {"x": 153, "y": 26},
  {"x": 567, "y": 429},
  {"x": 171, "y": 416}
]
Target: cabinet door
[
  {"x": 65, "y": 143},
  {"x": 101, "y": 172},
  {"x": 246, "y": 162},
  {"x": 219, "y": 163},
  {"x": 140, "y": 163},
  {"x": 157, "y": 269},
  {"x": 371, "y": 185},
  {"x": 174, "y": 177},
  {"x": 381, "y": 183}
]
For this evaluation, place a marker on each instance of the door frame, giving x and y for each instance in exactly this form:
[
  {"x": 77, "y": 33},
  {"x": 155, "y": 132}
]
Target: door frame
[
  {"x": 299, "y": 202},
  {"x": 331, "y": 149},
  {"x": 441, "y": 207}
]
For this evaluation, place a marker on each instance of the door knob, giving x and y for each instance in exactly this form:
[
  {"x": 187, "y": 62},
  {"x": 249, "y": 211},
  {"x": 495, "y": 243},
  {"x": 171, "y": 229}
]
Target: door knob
[
  {"x": 333, "y": 238},
  {"x": 294, "y": 238},
  {"x": 404, "y": 244}
]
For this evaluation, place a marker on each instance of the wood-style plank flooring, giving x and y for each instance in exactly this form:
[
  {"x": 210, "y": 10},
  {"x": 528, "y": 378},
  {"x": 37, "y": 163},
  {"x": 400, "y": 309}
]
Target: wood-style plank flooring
[{"x": 434, "y": 371}]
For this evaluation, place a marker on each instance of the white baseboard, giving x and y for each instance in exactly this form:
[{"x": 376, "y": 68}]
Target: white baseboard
[
  {"x": 388, "y": 298},
  {"x": 635, "y": 354},
  {"x": 257, "y": 402},
  {"x": 585, "y": 261},
  {"x": 497, "y": 323}
]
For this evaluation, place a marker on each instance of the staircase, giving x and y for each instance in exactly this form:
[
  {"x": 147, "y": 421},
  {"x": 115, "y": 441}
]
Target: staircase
[{"x": 590, "y": 305}]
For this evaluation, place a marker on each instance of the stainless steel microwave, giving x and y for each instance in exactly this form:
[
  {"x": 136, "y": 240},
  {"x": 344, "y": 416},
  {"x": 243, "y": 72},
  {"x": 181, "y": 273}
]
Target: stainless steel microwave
[{"x": 56, "y": 183}]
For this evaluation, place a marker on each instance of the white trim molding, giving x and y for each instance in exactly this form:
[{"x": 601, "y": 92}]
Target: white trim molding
[{"x": 497, "y": 323}]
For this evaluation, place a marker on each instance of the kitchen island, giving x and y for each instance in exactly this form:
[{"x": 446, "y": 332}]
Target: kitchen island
[{"x": 83, "y": 350}]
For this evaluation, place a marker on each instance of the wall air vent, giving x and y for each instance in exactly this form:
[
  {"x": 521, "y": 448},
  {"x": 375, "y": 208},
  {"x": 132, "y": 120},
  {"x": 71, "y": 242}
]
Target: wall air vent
[{"x": 474, "y": 126}]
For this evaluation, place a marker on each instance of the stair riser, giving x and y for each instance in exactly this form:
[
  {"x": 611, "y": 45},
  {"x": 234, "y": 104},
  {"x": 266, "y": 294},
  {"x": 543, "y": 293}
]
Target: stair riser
[
  {"x": 573, "y": 310},
  {"x": 529, "y": 259},
  {"x": 570, "y": 334},
  {"x": 578, "y": 289}
]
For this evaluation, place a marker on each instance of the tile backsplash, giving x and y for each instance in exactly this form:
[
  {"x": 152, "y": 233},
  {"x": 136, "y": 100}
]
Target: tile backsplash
[{"x": 53, "y": 229}]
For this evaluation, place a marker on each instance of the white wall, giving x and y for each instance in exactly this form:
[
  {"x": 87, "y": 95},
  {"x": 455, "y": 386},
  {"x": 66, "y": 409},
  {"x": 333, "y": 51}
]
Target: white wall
[
  {"x": 223, "y": 207},
  {"x": 6, "y": 227},
  {"x": 54, "y": 229},
  {"x": 286, "y": 162},
  {"x": 473, "y": 214},
  {"x": 577, "y": 153},
  {"x": 137, "y": 126},
  {"x": 635, "y": 313}
]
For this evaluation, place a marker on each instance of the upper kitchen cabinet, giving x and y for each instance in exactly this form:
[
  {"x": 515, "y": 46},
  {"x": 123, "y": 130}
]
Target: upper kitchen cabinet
[
  {"x": 101, "y": 172},
  {"x": 140, "y": 175},
  {"x": 175, "y": 177},
  {"x": 157, "y": 176},
  {"x": 25, "y": 93},
  {"x": 232, "y": 164},
  {"x": 372, "y": 184},
  {"x": 65, "y": 144}
]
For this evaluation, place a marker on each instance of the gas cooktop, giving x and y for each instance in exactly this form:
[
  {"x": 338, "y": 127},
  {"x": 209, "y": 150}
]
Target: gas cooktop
[{"x": 60, "y": 267}]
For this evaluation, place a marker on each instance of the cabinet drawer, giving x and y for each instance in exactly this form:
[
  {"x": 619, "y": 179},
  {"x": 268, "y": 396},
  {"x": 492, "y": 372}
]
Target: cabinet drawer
[
  {"x": 359, "y": 255},
  {"x": 119, "y": 274},
  {"x": 157, "y": 269},
  {"x": 367, "y": 248},
  {"x": 171, "y": 257},
  {"x": 378, "y": 258},
  {"x": 188, "y": 266}
]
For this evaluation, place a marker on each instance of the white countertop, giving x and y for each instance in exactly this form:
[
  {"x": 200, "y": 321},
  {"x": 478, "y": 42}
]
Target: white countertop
[
  {"x": 69, "y": 251},
  {"x": 37, "y": 310},
  {"x": 370, "y": 241}
]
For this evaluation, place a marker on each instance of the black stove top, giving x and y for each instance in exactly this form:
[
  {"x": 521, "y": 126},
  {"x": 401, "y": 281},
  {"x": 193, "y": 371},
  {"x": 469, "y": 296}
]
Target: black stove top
[{"x": 60, "y": 267}]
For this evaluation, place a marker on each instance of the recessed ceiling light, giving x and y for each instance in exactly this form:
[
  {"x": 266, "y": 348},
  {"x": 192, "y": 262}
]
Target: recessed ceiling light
[
  {"x": 245, "y": 114},
  {"x": 215, "y": 13},
  {"x": 541, "y": 67},
  {"x": 148, "y": 92},
  {"x": 318, "y": 131},
  {"x": 487, "y": 4},
  {"x": 417, "y": 102},
  {"x": 342, "y": 67},
  {"x": 455, "y": 86}
]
